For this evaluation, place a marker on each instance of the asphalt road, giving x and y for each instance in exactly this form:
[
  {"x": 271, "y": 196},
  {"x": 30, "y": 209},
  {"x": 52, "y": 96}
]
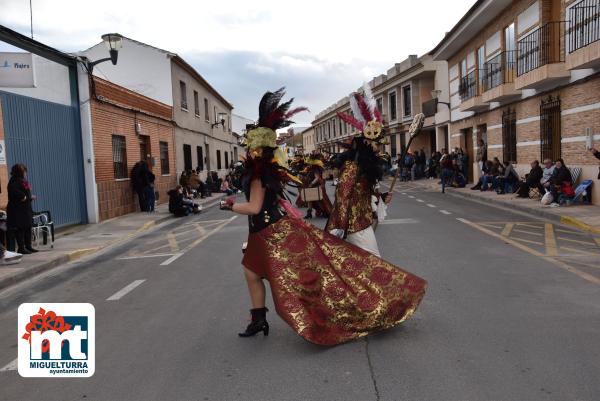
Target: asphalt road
[{"x": 512, "y": 313}]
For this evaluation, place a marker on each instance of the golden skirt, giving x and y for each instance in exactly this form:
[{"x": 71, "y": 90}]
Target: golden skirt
[{"x": 327, "y": 290}]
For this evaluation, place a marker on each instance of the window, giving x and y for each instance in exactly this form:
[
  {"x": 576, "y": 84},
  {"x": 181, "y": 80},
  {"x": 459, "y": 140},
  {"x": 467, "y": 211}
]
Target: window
[
  {"x": 200, "y": 157},
  {"x": 196, "y": 104},
  {"x": 119, "y": 157},
  {"x": 183, "y": 90},
  {"x": 206, "y": 116},
  {"x": 550, "y": 128},
  {"x": 392, "y": 105},
  {"x": 215, "y": 114},
  {"x": 481, "y": 66},
  {"x": 187, "y": 157},
  {"x": 333, "y": 123},
  {"x": 226, "y": 160},
  {"x": 509, "y": 135},
  {"x": 407, "y": 99},
  {"x": 218, "y": 160},
  {"x": 164, "y": 158},
  {"x": 379, "y": 103}
]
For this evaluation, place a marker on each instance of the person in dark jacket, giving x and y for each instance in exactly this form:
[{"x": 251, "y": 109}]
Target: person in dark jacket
[
  {"x": 561, "y": 177},
  {"x": 532, "y": 180},
  {"x": 140, "y": 183},
  {"x": 19, "y": 211},
  {"x": 149, "y": 193},
  {"x": 596, "y": 153}
]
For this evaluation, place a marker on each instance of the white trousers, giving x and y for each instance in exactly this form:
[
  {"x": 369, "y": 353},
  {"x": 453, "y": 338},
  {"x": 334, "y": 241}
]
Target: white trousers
[{"x": 366, "y": 240}]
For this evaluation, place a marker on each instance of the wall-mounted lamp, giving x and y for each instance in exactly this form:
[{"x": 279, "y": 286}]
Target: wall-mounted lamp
[
  {"x": 435, "y": 94},
  {"x": 113, "y": 42},
  {"x": 220, "y": 120}
]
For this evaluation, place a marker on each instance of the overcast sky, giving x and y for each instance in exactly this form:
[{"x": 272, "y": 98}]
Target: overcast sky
[{"x": 320, "y": 50}]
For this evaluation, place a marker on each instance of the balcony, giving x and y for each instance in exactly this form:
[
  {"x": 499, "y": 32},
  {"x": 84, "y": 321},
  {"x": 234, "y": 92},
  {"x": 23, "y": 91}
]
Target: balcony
[
  {"x": 540, "y": 60},
  {"x": 469, "y": 91},
  {"x": 583, "y": 35},
  {"x": 499, "y": 78}
]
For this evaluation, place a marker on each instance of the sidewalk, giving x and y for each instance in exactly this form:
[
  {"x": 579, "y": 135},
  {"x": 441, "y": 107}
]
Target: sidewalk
[
  {"x": 76, "y": 242},
  {"x": 584, "y": 217}
]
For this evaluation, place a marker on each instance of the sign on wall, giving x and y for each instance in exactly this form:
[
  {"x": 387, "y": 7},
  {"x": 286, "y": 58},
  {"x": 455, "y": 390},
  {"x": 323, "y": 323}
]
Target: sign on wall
[{"x": 16, "y": 70}]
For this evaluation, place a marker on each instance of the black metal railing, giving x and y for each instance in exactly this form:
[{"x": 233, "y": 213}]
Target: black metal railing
[
  {"x": 584, "y": 24},
  {"x": 541, "y": 47},
  {"x": 469, "y": 86},
  {"x": 500, "y": 70},
  {"x": 550, "y": 128}
]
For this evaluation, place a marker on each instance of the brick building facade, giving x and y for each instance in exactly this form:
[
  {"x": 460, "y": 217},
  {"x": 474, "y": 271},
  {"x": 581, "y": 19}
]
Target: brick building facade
[
  {"x": 524, "y": 76},
  {"x": 128, "y": 127}
]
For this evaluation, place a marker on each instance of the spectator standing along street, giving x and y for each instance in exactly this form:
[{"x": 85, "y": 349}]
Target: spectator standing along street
[{"x": 19, "y": 211}]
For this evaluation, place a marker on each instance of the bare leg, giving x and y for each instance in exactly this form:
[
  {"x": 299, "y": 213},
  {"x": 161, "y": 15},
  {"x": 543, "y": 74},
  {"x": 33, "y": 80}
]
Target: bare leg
[{"x": 256, "y": 287}]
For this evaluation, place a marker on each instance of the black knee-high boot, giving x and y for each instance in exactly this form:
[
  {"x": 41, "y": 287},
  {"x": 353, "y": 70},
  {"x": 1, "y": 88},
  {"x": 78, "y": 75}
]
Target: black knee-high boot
[{"x": 258, "y": 324}]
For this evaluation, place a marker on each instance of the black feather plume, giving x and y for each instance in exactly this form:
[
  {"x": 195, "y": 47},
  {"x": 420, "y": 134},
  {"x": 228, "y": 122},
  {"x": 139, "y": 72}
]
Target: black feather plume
[{"x": 273, "y": 115}]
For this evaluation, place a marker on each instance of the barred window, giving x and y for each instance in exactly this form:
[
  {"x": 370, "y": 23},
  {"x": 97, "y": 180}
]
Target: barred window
[
  {"x": 218, "y": 160},
  {"x": 226, "y": 160},
  {"x": 550, "y": 126},
  {"x": 164, "y": 158},
  {"x": 509, "y": 135},
  {"x": 119, "y": 156}
]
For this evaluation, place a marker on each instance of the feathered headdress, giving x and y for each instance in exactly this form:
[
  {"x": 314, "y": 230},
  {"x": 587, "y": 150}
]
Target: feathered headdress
[
  {"x": 366, "y": 116},
  {"x": 271, "y": 117}
]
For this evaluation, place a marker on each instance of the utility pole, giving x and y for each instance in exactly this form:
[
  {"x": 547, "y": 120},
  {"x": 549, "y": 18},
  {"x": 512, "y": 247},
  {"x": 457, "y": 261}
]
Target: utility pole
[{"x": 31, "y": 18}]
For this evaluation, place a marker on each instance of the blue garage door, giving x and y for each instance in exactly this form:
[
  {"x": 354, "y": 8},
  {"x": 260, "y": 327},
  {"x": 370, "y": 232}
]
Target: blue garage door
[{"x": 46, "y": 138}]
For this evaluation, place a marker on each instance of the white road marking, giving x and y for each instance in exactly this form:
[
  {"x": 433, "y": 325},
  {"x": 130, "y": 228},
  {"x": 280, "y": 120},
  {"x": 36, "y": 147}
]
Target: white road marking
[
  {"x": 399, "y": 221},
  {"x": 411, "y": 197},
  {"x": 196, "y": 242},
  {"x": 445, "y": 212},
  {"x": 145, "y": 256},
  {"x": 430, "y": 205},
  {"x": 420, "y": 200},
  {"x": 403, "y": 193},
  {"x": 127, "y": 289},
  {"x": 172, "y": 259},
  {"x": 11, "y": 366}
]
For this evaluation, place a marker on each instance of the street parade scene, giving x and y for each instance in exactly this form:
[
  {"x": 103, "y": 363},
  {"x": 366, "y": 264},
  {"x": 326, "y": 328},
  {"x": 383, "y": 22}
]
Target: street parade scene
[{"x": 316, "y": 201}]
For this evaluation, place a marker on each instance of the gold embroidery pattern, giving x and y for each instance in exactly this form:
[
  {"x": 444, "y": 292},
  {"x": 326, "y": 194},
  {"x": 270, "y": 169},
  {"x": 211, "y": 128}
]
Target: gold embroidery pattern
[
  {"x": 326, "y": 289},
  {"x": 352, "y": 206}
]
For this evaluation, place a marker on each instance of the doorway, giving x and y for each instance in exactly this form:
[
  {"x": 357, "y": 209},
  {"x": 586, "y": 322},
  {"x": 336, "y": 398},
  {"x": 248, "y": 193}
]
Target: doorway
[{"x": 466, "y": 143}]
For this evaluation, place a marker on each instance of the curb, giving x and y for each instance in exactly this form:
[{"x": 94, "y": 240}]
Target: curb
[
  {"x": 80, "y": 253},
  {"x": 566, "y": 220}
]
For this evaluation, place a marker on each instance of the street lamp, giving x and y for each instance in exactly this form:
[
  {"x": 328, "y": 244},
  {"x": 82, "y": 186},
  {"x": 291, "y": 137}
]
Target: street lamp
[
  {"x": 435, "y": 94},
  {"x": 113, "y": 42}
]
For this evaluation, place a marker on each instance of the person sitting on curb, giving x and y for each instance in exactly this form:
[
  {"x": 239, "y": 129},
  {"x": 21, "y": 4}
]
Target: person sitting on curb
[
  {"x": 485, "y": 172},
  {"x": 532, "y": 180},
  {"x": 561, "y": 181},
  {"x": 494, "y": 171},
  {"x": 179, "y": 204},
  {"x": 506, "y": 183},
  {"x": 546, "y": 175}
]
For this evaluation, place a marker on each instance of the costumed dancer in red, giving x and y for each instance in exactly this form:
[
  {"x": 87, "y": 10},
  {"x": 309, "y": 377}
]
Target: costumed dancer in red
[
  {"x": 313, "y": 172},
  {"x": 361, "y": 168},
  {"x": 326, "y": 289}
]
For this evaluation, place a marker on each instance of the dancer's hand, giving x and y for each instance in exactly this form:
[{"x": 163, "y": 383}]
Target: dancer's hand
[{"x": 227, "y": 204}]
